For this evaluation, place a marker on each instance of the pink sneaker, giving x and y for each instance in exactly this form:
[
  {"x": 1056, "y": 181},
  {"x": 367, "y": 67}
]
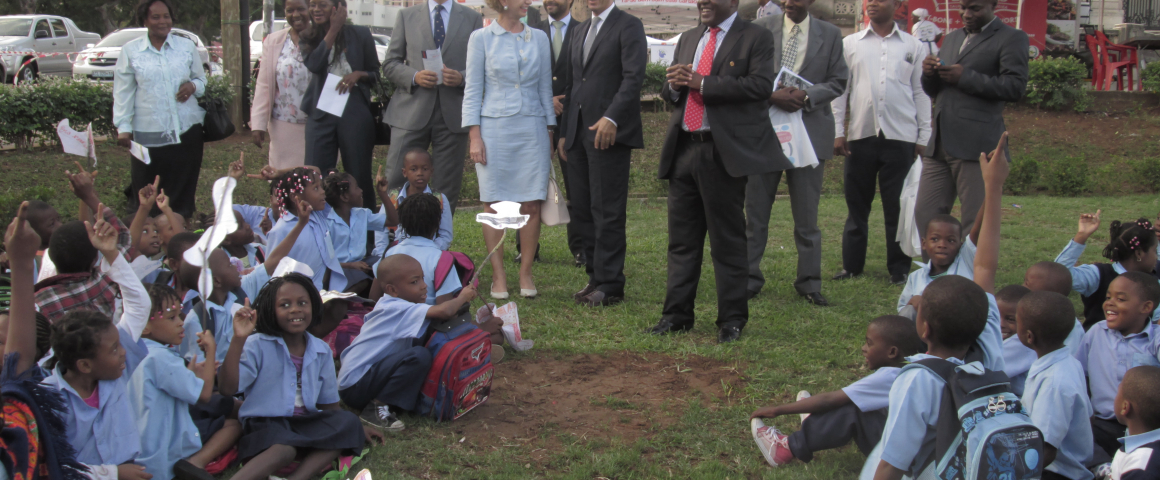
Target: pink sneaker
[{"x": 773, "y": 444}]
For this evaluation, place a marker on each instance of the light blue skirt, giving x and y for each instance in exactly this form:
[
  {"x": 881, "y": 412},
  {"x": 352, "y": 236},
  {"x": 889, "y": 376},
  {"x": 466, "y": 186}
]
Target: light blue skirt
[{"x": 517, "y": 159}]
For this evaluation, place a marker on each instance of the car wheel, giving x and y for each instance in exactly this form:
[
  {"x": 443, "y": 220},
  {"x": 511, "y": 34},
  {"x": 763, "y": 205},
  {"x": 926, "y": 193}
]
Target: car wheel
[{"x": 27, "y": 74}]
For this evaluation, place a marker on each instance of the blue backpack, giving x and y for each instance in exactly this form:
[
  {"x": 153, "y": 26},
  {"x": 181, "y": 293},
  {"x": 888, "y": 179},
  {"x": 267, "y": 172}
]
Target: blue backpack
[{"x": 983, "y": 431}]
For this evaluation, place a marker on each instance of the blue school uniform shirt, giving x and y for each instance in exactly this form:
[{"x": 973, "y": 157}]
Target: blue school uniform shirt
[
  {"x": 1085, "y": 279},
  {"x": 1017, "y": 359},
  {"x": 391, "y": 327},
  {"x": 963, "y": 266},
  {"x": 427, "y": 253},
  {"x": 1137, "y": 460},
  {"x": 106, "y": 435},
  {"x": 251, "y": 259},
  {"x": 314, "y": 247},
  {"x": 442, "y": 239},
  {"x": 223, "y": 316},
  {"x": 350, "y": 239},
  {"x": 161, "y": 391},
  {"x": 1106, "y": 355},
  {"x": 253, "y": 215},
  {"x": 1056, "y": 399},
  {"x": 872, "y": 392},
  {"x": 267, "y": 377}
]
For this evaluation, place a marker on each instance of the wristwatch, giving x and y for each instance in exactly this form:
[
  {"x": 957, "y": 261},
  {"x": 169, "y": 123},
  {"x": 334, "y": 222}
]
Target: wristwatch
[{"x": 806, "y": 99}]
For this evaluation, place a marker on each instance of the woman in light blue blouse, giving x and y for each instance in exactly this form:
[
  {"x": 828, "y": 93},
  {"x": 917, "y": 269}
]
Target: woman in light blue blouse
[
  {"x": 154, "y": 85},
  {"x": 507, "y": 106}
]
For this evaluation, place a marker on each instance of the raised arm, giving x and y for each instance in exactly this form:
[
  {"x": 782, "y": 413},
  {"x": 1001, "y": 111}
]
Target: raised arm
[
  {"x": 383, "y": 188},
  {"x": 146, "y": 197},
  {"x": 21, "y": 243},
  {"x": 245, "y": 323},
  {"x": 995, "y": 169}
]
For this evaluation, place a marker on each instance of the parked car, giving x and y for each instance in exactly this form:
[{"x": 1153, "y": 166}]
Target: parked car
[
  {"x": 381, "y": 44},
  {"x": 257, "y": 34},
  {"x": 23, "y": 37},
  {"x": 98, "y": 61}
]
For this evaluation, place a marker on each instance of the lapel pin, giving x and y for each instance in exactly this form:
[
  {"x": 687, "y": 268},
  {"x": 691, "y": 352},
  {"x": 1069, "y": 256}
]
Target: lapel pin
[{"x": 730, "y": 64}]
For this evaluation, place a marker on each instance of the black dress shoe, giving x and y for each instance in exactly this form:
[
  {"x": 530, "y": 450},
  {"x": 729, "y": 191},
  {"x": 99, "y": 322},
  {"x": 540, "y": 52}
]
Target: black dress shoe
[
  {"x": 666, "y": 326},
  {"x": 183, "y": 470},
  {"x": 728, "y": 334},
  {"x": 844, "y": 275},
  {"x": 817, "y": 299},
  {"x": 601, "y": 299},
  {"x": 898, "y": 279},
  {"x": 581, "y": 259},
  {"x": 588, "y": 289}
]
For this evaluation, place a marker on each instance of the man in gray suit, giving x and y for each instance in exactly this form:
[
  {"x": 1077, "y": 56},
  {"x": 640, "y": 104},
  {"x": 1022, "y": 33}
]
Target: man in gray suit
[
  {"x": 424, "y": 113},
  {"x": 811, "y": 48},
  {"x": 983, "y": 66}
]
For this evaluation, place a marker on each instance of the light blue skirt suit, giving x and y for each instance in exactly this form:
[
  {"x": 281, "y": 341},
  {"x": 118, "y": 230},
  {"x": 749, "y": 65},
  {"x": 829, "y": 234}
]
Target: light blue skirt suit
[{"x": 508, "y": 93}]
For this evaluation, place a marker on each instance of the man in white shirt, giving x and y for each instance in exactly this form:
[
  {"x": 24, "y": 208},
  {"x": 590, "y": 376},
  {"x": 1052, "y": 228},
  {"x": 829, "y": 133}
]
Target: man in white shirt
[
  {"x": 925, "y": 30},
  {"x": 889, "y": 127}
]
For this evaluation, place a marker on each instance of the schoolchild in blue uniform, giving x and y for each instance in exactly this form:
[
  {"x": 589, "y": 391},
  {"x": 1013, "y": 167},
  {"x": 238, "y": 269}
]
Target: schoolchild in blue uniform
[
  {"x": 384, "y": 368},
  {"x": 242, "y": 245},
  {"x": 1048, "y": 276},
  {"x": 1018, "y": 358},
  {"x": 146, "y": 240},
  {"x": 1132, "y": 249},
  {"x": 950, "y": 254},
  {"x": 1056, "y": 397},
  {"x": 419, "y": 214},
  {"x": 259, "y": 218},
  {"x": 417, "y": 169},
  {"x": 857, "y": 412},
  {"x": 1138, "y": 407},
  {"x": 162, "y": 391},
  {"x": 315, "y": 246},
  {"x": 349, "y": 223},
  {"x": 287, "y": 377},
  {"x": 1127, "y": 338}
]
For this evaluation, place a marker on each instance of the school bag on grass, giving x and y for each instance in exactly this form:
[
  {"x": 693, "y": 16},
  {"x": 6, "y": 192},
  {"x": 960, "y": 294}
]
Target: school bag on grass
[
  {"x": 464, "y": 268},
  {"x": 461, "y": 370},
  {"x": 983, "y": 431}
]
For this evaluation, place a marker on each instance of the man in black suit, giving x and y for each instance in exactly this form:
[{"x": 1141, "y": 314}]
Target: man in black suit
[
  {"x": 599, "y": 127},
  {"x": 718, "y": 135}
]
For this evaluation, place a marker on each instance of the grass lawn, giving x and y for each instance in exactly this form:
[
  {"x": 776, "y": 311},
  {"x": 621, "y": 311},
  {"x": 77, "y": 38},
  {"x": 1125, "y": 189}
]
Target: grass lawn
[{"x": 598, "y": 398}]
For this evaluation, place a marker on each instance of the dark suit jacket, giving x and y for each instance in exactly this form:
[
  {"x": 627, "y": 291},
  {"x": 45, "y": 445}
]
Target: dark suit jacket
[
  {"x": 609, "y": 85},
  {"x": 560, "y": 66},
  {"x": 360, "y": 54},
  {"x": 736, "y": 95},
  {"x": 994, "y": 72}
]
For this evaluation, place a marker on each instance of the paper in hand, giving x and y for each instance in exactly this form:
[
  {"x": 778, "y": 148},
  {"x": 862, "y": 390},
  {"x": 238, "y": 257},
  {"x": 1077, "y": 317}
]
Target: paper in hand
[
  {"x": 140, "y": 152},
  {"x": 433, "y": 61},
  {"x": 786, "y": 78},
  {"x": 77, "y": 143},
  {"x": 330, "y": 101}
]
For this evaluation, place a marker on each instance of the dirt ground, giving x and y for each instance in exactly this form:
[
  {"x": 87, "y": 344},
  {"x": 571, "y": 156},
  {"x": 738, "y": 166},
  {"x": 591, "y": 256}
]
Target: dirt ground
[{"x": 1113, "y": 133}]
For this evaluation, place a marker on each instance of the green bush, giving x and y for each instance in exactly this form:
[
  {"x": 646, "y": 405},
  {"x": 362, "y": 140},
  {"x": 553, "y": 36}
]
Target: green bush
[
  {"x": 1057, "y": 83},
  {"x": 654, "y": 78},
  {"x": 1151, "y": 76},
  {"x": 218, "y": 86},
  {"x": 1068, "y": 177},
  {"x": 31, "y": 111},
  {"x": 1147, "y": 171},
  {"x": 1023, "y": 177}
]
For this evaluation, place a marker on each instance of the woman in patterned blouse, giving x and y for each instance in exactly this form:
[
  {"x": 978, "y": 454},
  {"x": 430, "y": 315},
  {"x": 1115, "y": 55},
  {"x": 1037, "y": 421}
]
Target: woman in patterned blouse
[{"x": 282, "y": 79}]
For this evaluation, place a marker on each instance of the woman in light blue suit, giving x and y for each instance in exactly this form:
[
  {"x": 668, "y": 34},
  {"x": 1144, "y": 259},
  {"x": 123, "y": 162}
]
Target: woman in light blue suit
[{"x": 507, "y": 106}]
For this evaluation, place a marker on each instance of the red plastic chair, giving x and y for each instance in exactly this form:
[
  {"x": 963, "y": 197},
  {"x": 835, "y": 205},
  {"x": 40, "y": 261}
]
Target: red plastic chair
[
  {"x": 1122, "y": 65},
  {"x": 1093, "y": 44}
]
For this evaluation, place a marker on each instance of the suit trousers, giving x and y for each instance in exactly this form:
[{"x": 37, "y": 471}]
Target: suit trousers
[
  {"x": 943, "y": 178},
  {"x": 598, "y": 185},
  {"x": 178, "y": 166},
  {"x": 574, "y": 241},
  {"x": 836, "y": 428},
  {"x": 704, "y": 198},
  {"x": 353, "y": 134},
  {"x": 395, "y": 380},
  {"x": 448, "y": 153},
  {"x": 805, "y": 190},
  {"x": 890, "y": 162}
]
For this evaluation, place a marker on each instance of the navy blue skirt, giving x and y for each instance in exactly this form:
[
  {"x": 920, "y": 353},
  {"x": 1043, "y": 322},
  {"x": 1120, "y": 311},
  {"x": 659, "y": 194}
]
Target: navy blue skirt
[
  {"x": 324, "y": 430},
  {"x": 211, "y": 416}
]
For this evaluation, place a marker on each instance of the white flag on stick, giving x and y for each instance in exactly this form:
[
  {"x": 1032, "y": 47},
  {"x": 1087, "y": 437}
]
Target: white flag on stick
[{"x": 77, "y": 143}]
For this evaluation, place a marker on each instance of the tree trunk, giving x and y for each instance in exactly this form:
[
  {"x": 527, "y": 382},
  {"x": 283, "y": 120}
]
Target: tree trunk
[
  {"x": 232, "y": 56},
  {"x": 108, "y": 24}
]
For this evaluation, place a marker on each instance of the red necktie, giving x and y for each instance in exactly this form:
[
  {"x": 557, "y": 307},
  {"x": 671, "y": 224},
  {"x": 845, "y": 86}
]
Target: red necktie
[{"x": 695, "y": 107}]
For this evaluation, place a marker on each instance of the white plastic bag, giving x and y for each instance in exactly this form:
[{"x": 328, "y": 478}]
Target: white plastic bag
[
  {"x": 907, "y": 236},
  {"x": 511, "y": 327},
  {"x": 795, "y": 141}
]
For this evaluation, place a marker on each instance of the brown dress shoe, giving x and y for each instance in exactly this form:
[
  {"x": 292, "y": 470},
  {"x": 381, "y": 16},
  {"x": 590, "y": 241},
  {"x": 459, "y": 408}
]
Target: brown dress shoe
[
  {"x": 600, "y": 299},
  {"x": 588, "y": 289}
]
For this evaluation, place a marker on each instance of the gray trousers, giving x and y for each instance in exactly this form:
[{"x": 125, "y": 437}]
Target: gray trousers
[
  {"x": 944, "y": 178},
  {"x": 448, "y": 152},
  {"x": 805, "y": 190}
]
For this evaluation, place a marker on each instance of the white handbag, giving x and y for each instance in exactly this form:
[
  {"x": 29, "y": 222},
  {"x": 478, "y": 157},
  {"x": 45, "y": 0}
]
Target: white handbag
[{"x": 554, "y": 210}]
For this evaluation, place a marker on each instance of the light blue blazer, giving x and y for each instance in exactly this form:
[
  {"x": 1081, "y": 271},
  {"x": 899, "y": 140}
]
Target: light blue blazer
[{"x": 508, "y": 74}]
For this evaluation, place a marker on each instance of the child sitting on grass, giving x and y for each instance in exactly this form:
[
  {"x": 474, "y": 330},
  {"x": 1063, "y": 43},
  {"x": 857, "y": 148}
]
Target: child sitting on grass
[
  {"x": 1132, "y": 249},
  {"x": 417, "y": 169},
  {"x": 857, "y": 412},
  {"x": 1138, "y": 407},
  {"x": 349, "y": 223},
  {"x": 950, "y": 254},
  {"x": 1048, "y": 276},
  {"x": 419, "y": 214},
  {"x": 1018, "y": 358}
]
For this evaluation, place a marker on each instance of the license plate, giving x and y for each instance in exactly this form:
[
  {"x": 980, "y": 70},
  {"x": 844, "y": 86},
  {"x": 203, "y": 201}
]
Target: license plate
[{"x": 102, "y": 74}]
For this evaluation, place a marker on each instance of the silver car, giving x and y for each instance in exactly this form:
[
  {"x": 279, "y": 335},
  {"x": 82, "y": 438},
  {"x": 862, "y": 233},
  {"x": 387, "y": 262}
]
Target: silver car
[
  {"x": 98, "y": 61},
  {"x": 50, "y": 39},
  {"x": 382, "y": 43}
]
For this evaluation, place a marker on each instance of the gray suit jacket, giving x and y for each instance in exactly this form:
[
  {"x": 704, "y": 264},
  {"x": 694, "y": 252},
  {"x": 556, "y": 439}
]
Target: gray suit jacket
[
  {"x": 994, "y": 72},
  {"x": 825, "y": 67},
  {"x": 412, "y": 106}
]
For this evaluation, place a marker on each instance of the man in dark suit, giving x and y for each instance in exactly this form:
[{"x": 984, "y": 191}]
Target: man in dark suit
[
  {"x": 983, "y": 66},
  {"x": 718, "y": 135},
  {"x": 812, "y": 49},
  {"x": 599, "y": 127}
]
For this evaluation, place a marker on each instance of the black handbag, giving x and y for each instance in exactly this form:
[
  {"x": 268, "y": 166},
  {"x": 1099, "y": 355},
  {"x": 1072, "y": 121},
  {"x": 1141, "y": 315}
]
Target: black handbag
[
  {"x": 382, "y": 128},
  {"x": 217, "y": 124}
]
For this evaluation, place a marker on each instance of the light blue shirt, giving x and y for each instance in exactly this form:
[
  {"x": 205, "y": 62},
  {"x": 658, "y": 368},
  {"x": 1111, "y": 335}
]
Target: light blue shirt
[
  {"x": 1132, "y": 442},
  {"x": 508, "y": 74},
  {"x": 1058, "y": 404},
  {"x": 390, "y": 328},
  {"x": 145, "y": 85},
  {"x": 1106, "y": 355},
  {"x": 314, "y": 247},
  {"x": 564, "y": 34},
  {"x": 350, "y": 240},
  {"x": 106, "y": 435},
  {"x": 253, "y": 215},
  {"x": 915, "y": 399},
  {"x": 724, "y": 26},
  {"x": 161, "y": 391},
  {"x": 442, "y": 239},
  {"x": 427, "y": 254},
  {"x": 267, "y": 377},
  {"x": 873, "y": 391},
  {"x": 1085, "y": 279},
  {"x": 963, "y": 266},
  {"x": 223, "y": 316},
  {"x": 1018, "y": 359}
]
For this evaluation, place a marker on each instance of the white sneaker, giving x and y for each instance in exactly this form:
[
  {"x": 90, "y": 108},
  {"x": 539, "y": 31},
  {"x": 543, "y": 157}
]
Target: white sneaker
[
  {"x": 773, "y": 444},
  {"x": 381, "y": 417},
  {"x": 800, "y": 396}
]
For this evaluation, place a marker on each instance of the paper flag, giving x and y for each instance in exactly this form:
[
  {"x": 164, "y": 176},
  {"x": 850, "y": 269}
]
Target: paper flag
[
  {"x": 290, "y": 265},
  {"x": 77, "y": 143},
  {"x": 224, "y": 224},
  {"x": 139, "y": 152},
  {"x": 507, "y": 215}
]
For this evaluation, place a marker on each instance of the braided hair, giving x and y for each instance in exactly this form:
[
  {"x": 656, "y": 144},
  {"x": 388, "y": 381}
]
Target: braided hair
[
  {"x": 267, "y": 299},
  {"x": 419, "y": 215},
  {"x": 76, "y": 336},
  {"x": 336, "y": 184},
  {"x": 1127, "y": 238},
  {"x": 289, "y": 184},
  {"x": 158, "y": 294}
]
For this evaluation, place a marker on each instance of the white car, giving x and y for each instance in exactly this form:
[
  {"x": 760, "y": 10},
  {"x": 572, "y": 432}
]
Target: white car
[
  {"x": 257, "y": 34},
  {"x": 98, "y": 61},
  {"x": 381, "y": 44},
  {"x": 23, "y": 37}
]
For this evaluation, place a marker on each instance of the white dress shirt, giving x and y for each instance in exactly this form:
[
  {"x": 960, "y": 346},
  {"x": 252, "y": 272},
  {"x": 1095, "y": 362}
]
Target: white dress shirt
[
  {"x": 885, "y": 88},
  {"x": 803, "y": 41},
  {"x": 724, "y": 26}
]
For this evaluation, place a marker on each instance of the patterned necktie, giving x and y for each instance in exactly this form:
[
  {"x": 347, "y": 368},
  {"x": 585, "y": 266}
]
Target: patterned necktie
[
  {"x": 557, "y": 39},
  {"x": 695, "y": 107},
  {"x": 440, "y": 30},
  {"x": 591, "y": 37},
  {"x": 789, "y": 53}
]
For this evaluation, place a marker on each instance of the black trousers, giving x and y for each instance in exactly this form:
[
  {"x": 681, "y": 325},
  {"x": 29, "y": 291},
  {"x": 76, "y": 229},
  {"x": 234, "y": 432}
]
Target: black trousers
[
  {"x": 889, "y": 161},
  {"x": 833, "y": 429},
  {"x": 598, "y": 187},
  {"x": 1107, "y": 434},
  {"x": 179, "y": 167},
  {"x": 395, "y": 380},
  {"x": 705, "y": 199},
  {"x": 353, "y": 134}
]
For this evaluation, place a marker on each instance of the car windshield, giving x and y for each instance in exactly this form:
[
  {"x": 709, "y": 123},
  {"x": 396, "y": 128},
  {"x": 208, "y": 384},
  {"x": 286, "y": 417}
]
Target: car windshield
[
  {"x": 120, "y": 38},
  {"x": 15, "y": 27},
  {"x": 381, "y": 40}
]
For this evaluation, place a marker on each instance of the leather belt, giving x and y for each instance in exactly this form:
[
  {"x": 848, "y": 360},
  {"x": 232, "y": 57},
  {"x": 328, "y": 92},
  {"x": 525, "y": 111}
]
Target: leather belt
[{"x": 701, "y": 137}]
